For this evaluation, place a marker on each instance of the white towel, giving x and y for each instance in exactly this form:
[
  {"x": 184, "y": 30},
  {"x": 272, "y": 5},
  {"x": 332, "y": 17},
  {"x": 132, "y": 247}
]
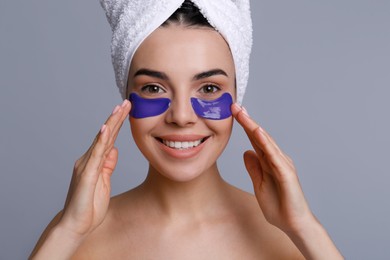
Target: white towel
[{"x": 132, "y": 21}]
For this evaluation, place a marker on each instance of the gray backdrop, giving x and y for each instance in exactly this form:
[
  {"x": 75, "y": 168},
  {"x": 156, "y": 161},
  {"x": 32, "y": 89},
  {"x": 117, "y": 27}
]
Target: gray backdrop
[{"x": 319, "y": 83}]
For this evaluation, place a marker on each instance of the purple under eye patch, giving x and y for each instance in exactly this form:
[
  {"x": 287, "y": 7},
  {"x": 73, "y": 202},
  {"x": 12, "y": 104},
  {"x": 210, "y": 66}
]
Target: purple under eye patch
[
  {"x": 216, "y": 109},
  {"x": 147, "y": 107}
]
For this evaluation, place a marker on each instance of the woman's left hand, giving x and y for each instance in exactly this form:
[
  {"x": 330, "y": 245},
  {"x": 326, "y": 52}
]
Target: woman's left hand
[
  {"x": 279, "y": 193},
  {"x": 274, "y": 178}
]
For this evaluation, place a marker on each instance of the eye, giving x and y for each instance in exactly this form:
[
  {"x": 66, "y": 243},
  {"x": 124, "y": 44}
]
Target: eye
[
  {"x": 209, "y": 89},
  {"x": 152, "y": 89}
]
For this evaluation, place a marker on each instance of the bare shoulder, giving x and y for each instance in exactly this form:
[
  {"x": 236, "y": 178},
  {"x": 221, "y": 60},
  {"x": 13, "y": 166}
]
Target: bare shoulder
[{"x": 273, "y": 242}]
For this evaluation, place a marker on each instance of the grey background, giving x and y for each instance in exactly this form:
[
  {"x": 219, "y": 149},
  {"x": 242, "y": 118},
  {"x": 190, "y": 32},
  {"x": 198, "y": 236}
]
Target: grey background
[{"x": 319, "y": 84}]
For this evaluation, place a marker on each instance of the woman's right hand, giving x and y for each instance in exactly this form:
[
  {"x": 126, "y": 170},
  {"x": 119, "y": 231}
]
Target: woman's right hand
[
  {"x": 88, "y": 196},
  {"x": 89, "y": 192}
]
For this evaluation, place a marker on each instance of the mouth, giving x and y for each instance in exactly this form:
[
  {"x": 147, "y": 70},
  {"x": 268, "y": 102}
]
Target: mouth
[{"x": 182, "y": 145}]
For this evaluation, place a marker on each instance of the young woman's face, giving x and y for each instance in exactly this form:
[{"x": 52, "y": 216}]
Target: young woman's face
[{"x": 179, "y": 63}]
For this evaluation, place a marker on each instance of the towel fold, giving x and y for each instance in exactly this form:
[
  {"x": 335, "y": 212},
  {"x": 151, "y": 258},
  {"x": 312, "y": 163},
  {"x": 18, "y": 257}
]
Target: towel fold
[{"x": 132, "y": 21}]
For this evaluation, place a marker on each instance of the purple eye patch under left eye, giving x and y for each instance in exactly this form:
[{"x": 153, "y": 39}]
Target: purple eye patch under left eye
[{"x": 216, "y": 109}]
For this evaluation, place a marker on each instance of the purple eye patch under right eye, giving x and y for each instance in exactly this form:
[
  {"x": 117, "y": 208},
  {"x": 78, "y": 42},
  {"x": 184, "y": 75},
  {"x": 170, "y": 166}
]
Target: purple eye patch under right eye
[
  {"x": 147, "y": 107},
  {"x": 216, "y": 109}
]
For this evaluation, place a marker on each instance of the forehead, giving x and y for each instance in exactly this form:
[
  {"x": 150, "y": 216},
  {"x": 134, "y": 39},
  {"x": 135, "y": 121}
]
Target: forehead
[{"x": 182, "y": 49}]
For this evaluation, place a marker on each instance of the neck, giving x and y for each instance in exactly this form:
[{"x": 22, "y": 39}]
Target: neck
[{"x": 195, "y": 198}]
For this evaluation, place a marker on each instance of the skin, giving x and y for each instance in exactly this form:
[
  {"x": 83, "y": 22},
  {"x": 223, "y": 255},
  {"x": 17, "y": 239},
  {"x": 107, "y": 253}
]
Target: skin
[{"x": 184, "y": 209}]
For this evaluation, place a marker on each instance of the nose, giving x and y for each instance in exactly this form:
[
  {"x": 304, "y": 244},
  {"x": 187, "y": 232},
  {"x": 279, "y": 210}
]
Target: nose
[{"x": 181, "y": 112}]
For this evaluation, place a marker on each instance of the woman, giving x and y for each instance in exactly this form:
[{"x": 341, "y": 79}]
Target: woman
[{"x": 184, "y": 209}]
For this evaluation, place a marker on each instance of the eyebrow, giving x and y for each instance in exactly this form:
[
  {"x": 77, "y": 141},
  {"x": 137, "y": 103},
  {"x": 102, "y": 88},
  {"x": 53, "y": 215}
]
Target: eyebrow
[
  {"x": 151, "y": 73},
  {"x": 209, "y": 73},
  {"x": 163, "y": 76}
]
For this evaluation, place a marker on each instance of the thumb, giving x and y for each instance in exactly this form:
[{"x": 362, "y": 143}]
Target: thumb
[
  {"x": 110, "y": 161},
  {"x": 253, "y": 166},
  {"x": 109, "y": 166}
]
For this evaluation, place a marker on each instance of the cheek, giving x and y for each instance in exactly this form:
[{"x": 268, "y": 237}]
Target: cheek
[
  {"x": 221, "y": 128},
  {"x": 141, "y": 128}
]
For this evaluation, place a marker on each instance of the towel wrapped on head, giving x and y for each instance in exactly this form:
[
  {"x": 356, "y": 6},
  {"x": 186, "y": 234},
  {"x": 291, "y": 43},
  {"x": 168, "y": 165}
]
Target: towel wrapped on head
[{"x": 132, "y": 21}]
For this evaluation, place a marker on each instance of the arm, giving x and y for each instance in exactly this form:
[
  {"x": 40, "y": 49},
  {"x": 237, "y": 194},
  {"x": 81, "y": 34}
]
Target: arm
[
  {"x": 279, "y": 193},
  {"x": 88, "y": 196}
]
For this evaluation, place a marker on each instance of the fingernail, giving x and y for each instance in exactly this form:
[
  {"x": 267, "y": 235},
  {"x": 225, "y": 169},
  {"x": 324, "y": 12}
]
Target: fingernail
[
  {"x": 261, "y": 129},
  {"x": 244, "y": 111},
  {"x": 124, "y": 102},
  {"x": 115, "y": 109},
  {"x": 103, "y": 128},
  {"x": 236, "y": 107}
]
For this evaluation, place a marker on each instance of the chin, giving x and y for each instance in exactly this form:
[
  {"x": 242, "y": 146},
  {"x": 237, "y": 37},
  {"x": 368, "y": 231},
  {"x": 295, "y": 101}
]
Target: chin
[{"x": 180, "y": 172}]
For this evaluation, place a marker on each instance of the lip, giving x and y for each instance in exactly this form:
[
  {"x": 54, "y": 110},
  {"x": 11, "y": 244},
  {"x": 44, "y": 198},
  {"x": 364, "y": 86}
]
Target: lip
[
  {"x": 181, "y": 138},
  {"x": 181, "y": 153}
]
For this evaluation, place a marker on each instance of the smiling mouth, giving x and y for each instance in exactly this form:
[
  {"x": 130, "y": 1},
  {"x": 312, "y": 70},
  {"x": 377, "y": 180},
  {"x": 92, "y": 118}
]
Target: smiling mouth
[{"x": 181, "y": 145}]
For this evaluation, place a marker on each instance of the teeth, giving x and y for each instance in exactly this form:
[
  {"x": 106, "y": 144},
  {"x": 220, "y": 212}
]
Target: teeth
[{"x": 182, "y": 145}]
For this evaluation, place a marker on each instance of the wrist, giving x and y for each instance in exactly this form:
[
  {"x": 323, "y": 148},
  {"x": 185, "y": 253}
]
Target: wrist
[
  {"x": 60, "y": 243},
  {"x": 64, "y": 233},
  {"x": 305, "y": 227},
  {"x": 313, "y": 241}
]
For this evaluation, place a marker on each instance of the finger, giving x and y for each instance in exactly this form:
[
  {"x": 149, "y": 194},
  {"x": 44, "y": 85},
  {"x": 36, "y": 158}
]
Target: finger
[
  {"x": 252, "y": 165},
  {"x": 261, "y": 156},
  {"x": 110, "y": 161},
  {"x": 117, "y": 116},
  {"x": 266, "y": 189},
  {"x": 108, "y": 168},
  {"x": 277, "y": 162},
  {"x": 243, "y": 119},
  {"x": 259, "y": 165},
  {"x": 251, "y": 127},
  {"x": 80, "y": 183},
  {"x": 96, "y": 159},
  {"x": 262, "y": 142},
  {"x": 273, "y": 143},
  {"x": 124, "y": 110},
  {"x": 109, "y": 121}
]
